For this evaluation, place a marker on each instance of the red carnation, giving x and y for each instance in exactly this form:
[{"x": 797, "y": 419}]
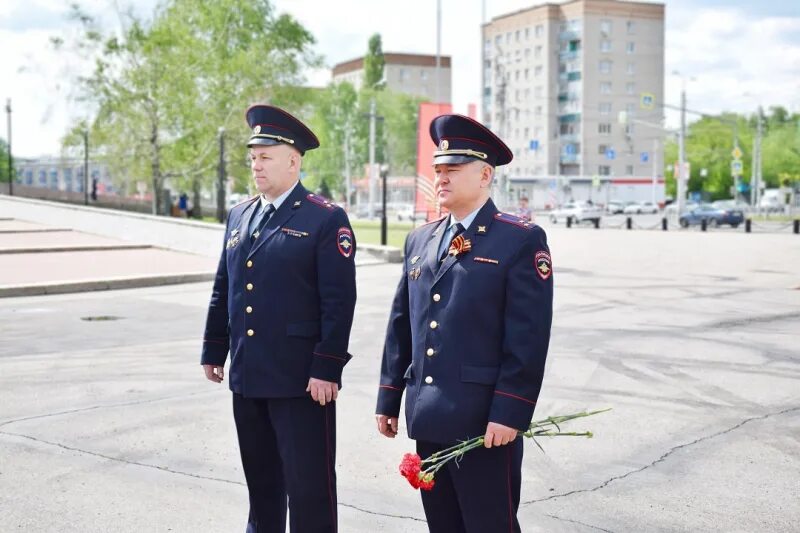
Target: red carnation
[{"x": 410, "y": 467}]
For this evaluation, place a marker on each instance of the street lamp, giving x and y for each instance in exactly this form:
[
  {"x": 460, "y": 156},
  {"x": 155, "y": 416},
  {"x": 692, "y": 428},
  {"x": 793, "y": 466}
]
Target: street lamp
[
  {"x": 384, "y": 175},
  {"x": 221, "y": 176},
  {"x": 86, "y": 166},
  {"x": 10, "y": 157}
]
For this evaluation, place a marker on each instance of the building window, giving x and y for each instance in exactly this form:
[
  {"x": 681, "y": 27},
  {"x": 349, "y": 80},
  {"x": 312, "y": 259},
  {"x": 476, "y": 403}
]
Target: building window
[
  {"x": 629, "y": 129},
  {"x": 629, "y": 170},
  {"x": 630, "y": 109},
  {"x": 538, "y": 92},
  {"x": 604, "y": 170},
  {"x": 538, "y": 110},
  {"x": 527, "y": 33},
  {"x": 537, "y": 71},
  {"x": 537, "y": 52},
  {"x": 631, "y": 27},
  {"x": 498, "y": 39},
  {"x": 403, "y": 75},
  {"x": 423, "y": 74},
  {"x": 605, "y": 27},
  {"x": 630, "y": 47},
  {"x": 604, "y": 128},
  {"x": 604, "y": 108},
  {"x": 630, "y": 88},
  {"x": 527, "y": 54},
  {"x": 527, "y": 73},
  {"x": 516, "y": 36},
  {"x": 605, "y": 87},
  {"x": 605, "y": 45},
  {"x": 605, "y": 66},
  {"x": 539, "y": 30},
  {"x": 602, "y": 149},
  {"x": 508, "y": 38},
  {"x": 527, "y": 94},
  {"x": 516, "y": 75},
  {"x": 631, "y": 68},
  {"x": 516, "y": 95}
]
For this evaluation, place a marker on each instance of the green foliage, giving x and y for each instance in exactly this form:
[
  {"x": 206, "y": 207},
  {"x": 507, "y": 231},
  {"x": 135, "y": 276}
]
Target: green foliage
[
  {"x": 164, "y": 88},
  {"x": 3, "y": 161},
  {"x": 710, "y": 143},
  {"x": 374, "y": 63}
]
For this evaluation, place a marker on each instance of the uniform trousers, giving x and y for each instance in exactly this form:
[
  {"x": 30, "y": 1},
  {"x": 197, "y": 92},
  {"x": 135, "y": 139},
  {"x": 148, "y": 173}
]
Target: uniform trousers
[
  {"x": 288, "y": 449},
  {"x": 479, "y": 494}
]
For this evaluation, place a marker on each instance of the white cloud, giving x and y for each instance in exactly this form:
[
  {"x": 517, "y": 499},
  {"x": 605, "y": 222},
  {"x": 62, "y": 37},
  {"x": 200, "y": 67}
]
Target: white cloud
[{"x": 728, "y": 50}]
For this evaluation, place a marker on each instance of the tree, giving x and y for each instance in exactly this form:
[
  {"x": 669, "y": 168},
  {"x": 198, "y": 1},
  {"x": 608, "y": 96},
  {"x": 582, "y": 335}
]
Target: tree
[
  {"x": 374, "y": 63},
  {"x": 164, "y": 88},
  {"x": 3, "y": 161}
]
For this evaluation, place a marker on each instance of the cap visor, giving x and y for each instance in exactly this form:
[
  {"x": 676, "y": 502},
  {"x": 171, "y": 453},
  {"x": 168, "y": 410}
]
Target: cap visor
[
  {"x": 454, "y": 159},
  {"x": 262, "y": 141}
]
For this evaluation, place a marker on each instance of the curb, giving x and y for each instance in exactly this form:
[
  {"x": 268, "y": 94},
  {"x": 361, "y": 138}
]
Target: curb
[
  {"x": 389, "y": 254},
  {"x": 76, "y": 248},
  {"x": 35, "y": 230},
  {"x": 65, "y": 287}
]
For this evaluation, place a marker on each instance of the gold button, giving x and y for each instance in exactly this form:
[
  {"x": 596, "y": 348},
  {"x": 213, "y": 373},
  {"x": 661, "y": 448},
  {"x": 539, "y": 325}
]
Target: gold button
[
  {"x": 249, "y": 264},
  {"x": 434, "y": 324},
  {"x": 249, "y": 286},
  {"x": 428, "y": 380},
  {"x": 250, "y": 332},
  {"x": 436, "y": 297},
  {"x": 248, "y": 309},
  {"x": 430, "y": 351}
]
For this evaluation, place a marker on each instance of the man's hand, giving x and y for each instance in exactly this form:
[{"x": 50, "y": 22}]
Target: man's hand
[
  {"x": 498, "y": 435},
  {"x": 214, "y": 373},
  {"x": 387, "y": 425},
  {"x": 323, "y": 391}
]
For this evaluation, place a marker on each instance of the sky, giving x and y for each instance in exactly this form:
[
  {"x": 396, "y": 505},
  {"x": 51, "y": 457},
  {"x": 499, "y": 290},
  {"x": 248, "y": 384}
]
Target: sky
[{"x": 732, "y": 55}]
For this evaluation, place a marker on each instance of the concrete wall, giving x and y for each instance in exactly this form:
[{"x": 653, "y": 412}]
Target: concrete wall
[{"x": 201, "y": 238}]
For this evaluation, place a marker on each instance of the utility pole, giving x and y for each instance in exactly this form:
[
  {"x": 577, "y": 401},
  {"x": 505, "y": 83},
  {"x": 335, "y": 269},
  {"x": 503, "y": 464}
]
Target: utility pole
[
  {"x": 372, "y": 177},
  {"x": 10, "y": 157},
  {"x": 500, "y": 76},
  {"x": 655, "y": 168},
  {"x": 682, "y": 179},
  {"x": 86, "y": 166},
  {"x": 755, "y": 180},
  {"x": 221, "y": 177},
  {"x": 438, "y": 47},
  {"x": 347, "y": 169}
]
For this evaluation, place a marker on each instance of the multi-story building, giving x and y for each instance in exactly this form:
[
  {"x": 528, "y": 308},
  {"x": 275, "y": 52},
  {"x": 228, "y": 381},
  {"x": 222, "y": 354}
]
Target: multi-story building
[
  {"x": 63, "y": 174},
  {"x": 413, "y": 74},
  {"x": 555, "y": 79}
]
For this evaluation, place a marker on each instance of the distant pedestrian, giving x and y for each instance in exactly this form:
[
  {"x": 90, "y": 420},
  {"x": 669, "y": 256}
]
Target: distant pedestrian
[{"x": 523, "y": 211}]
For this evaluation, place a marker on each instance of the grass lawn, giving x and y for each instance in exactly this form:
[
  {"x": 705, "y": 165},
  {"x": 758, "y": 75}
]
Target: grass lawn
[{"x": 369, "y": 232}]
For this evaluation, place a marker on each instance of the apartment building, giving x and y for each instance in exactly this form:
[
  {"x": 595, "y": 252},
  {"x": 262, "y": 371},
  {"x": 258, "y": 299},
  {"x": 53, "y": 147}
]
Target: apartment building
[
  {"x": 413, "y": 74},
  {"x": 556, "y": 77}
]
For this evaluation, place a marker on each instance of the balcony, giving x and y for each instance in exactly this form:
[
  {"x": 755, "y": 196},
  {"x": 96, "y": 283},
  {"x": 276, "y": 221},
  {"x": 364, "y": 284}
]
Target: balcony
[
  {"x": 569, "y": 159},
  {"x": 567, "y": 55},
  {"x": 569, "y": 117},
  {"x": 570, "y": 137},
  {"x": 570, "y": 34}
]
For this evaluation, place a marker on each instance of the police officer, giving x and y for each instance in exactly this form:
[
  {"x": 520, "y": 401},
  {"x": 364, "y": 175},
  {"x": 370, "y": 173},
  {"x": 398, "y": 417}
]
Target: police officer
[
  {"x": 468, "y": 335},
  {"x": 282, "y": 304}
]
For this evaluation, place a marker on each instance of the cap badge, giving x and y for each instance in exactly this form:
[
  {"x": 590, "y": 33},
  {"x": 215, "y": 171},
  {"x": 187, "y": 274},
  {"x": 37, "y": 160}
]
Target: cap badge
[
  {"x": 257, "y": 130},
  {"x": 444, "y": 144}
]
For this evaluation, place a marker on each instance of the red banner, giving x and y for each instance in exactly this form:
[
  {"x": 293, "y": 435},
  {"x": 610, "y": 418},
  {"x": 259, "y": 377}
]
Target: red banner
[{"x": 425, "y": 194}]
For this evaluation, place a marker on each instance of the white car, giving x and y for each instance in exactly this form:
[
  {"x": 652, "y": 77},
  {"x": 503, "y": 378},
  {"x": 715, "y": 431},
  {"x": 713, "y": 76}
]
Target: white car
[
  {"x": 577, "y": 212},
  {"x": 645, "y": 207}
]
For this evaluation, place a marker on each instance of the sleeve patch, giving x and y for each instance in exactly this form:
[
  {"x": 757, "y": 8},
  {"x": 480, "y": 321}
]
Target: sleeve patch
[
  {"x": 543, "y": 263},
  {"x": 344, "y": 242}
]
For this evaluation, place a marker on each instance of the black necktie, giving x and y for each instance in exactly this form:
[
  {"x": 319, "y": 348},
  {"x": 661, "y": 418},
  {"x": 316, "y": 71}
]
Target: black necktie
[
  {"x": 458, "y": 230},
  {"x": 263, "y": 222}
]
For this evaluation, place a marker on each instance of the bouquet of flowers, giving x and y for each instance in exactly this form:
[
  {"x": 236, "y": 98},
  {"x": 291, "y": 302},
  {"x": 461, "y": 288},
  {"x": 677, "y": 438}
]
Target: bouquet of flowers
[{"x": 420, "y": 472}]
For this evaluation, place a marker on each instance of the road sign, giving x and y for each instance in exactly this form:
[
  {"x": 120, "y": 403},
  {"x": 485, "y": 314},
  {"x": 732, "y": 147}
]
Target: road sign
[
  {"x": 534, "y": 144},
  {"x": 610, "y": 154},
  {"x": 736, "y": 167},
  {"x": 643, "y": 157},
  {"x": 736, "y": 153},
  {"x": 647, "y": 101}
]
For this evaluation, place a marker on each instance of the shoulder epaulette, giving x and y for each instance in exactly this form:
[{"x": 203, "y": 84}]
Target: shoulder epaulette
[
  {"x": 434, "y": 221},
  {"x": 508, "y": 218},
  {"x": 245, "y": 201},
  {"x": 320, "y": 201}
]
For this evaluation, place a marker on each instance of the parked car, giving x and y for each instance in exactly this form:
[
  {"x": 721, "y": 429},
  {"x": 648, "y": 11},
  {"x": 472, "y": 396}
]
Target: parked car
[
  {"x": 713, "y": 216},
  {"x": 409, "y": 213},
  {"x": 638, "y": 208},
  {"x": 614, "y": 208},
  {"x": 577, "y": 212}
]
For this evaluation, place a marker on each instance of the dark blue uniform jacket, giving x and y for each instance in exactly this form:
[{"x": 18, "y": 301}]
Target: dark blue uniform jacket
[
  {"x": 283, "y": 304},
  {"x": 467, "y": 342}
]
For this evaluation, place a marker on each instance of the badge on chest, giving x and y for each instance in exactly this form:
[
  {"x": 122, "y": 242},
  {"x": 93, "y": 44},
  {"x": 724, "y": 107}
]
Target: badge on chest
[{"x": 233, "y": 240}]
